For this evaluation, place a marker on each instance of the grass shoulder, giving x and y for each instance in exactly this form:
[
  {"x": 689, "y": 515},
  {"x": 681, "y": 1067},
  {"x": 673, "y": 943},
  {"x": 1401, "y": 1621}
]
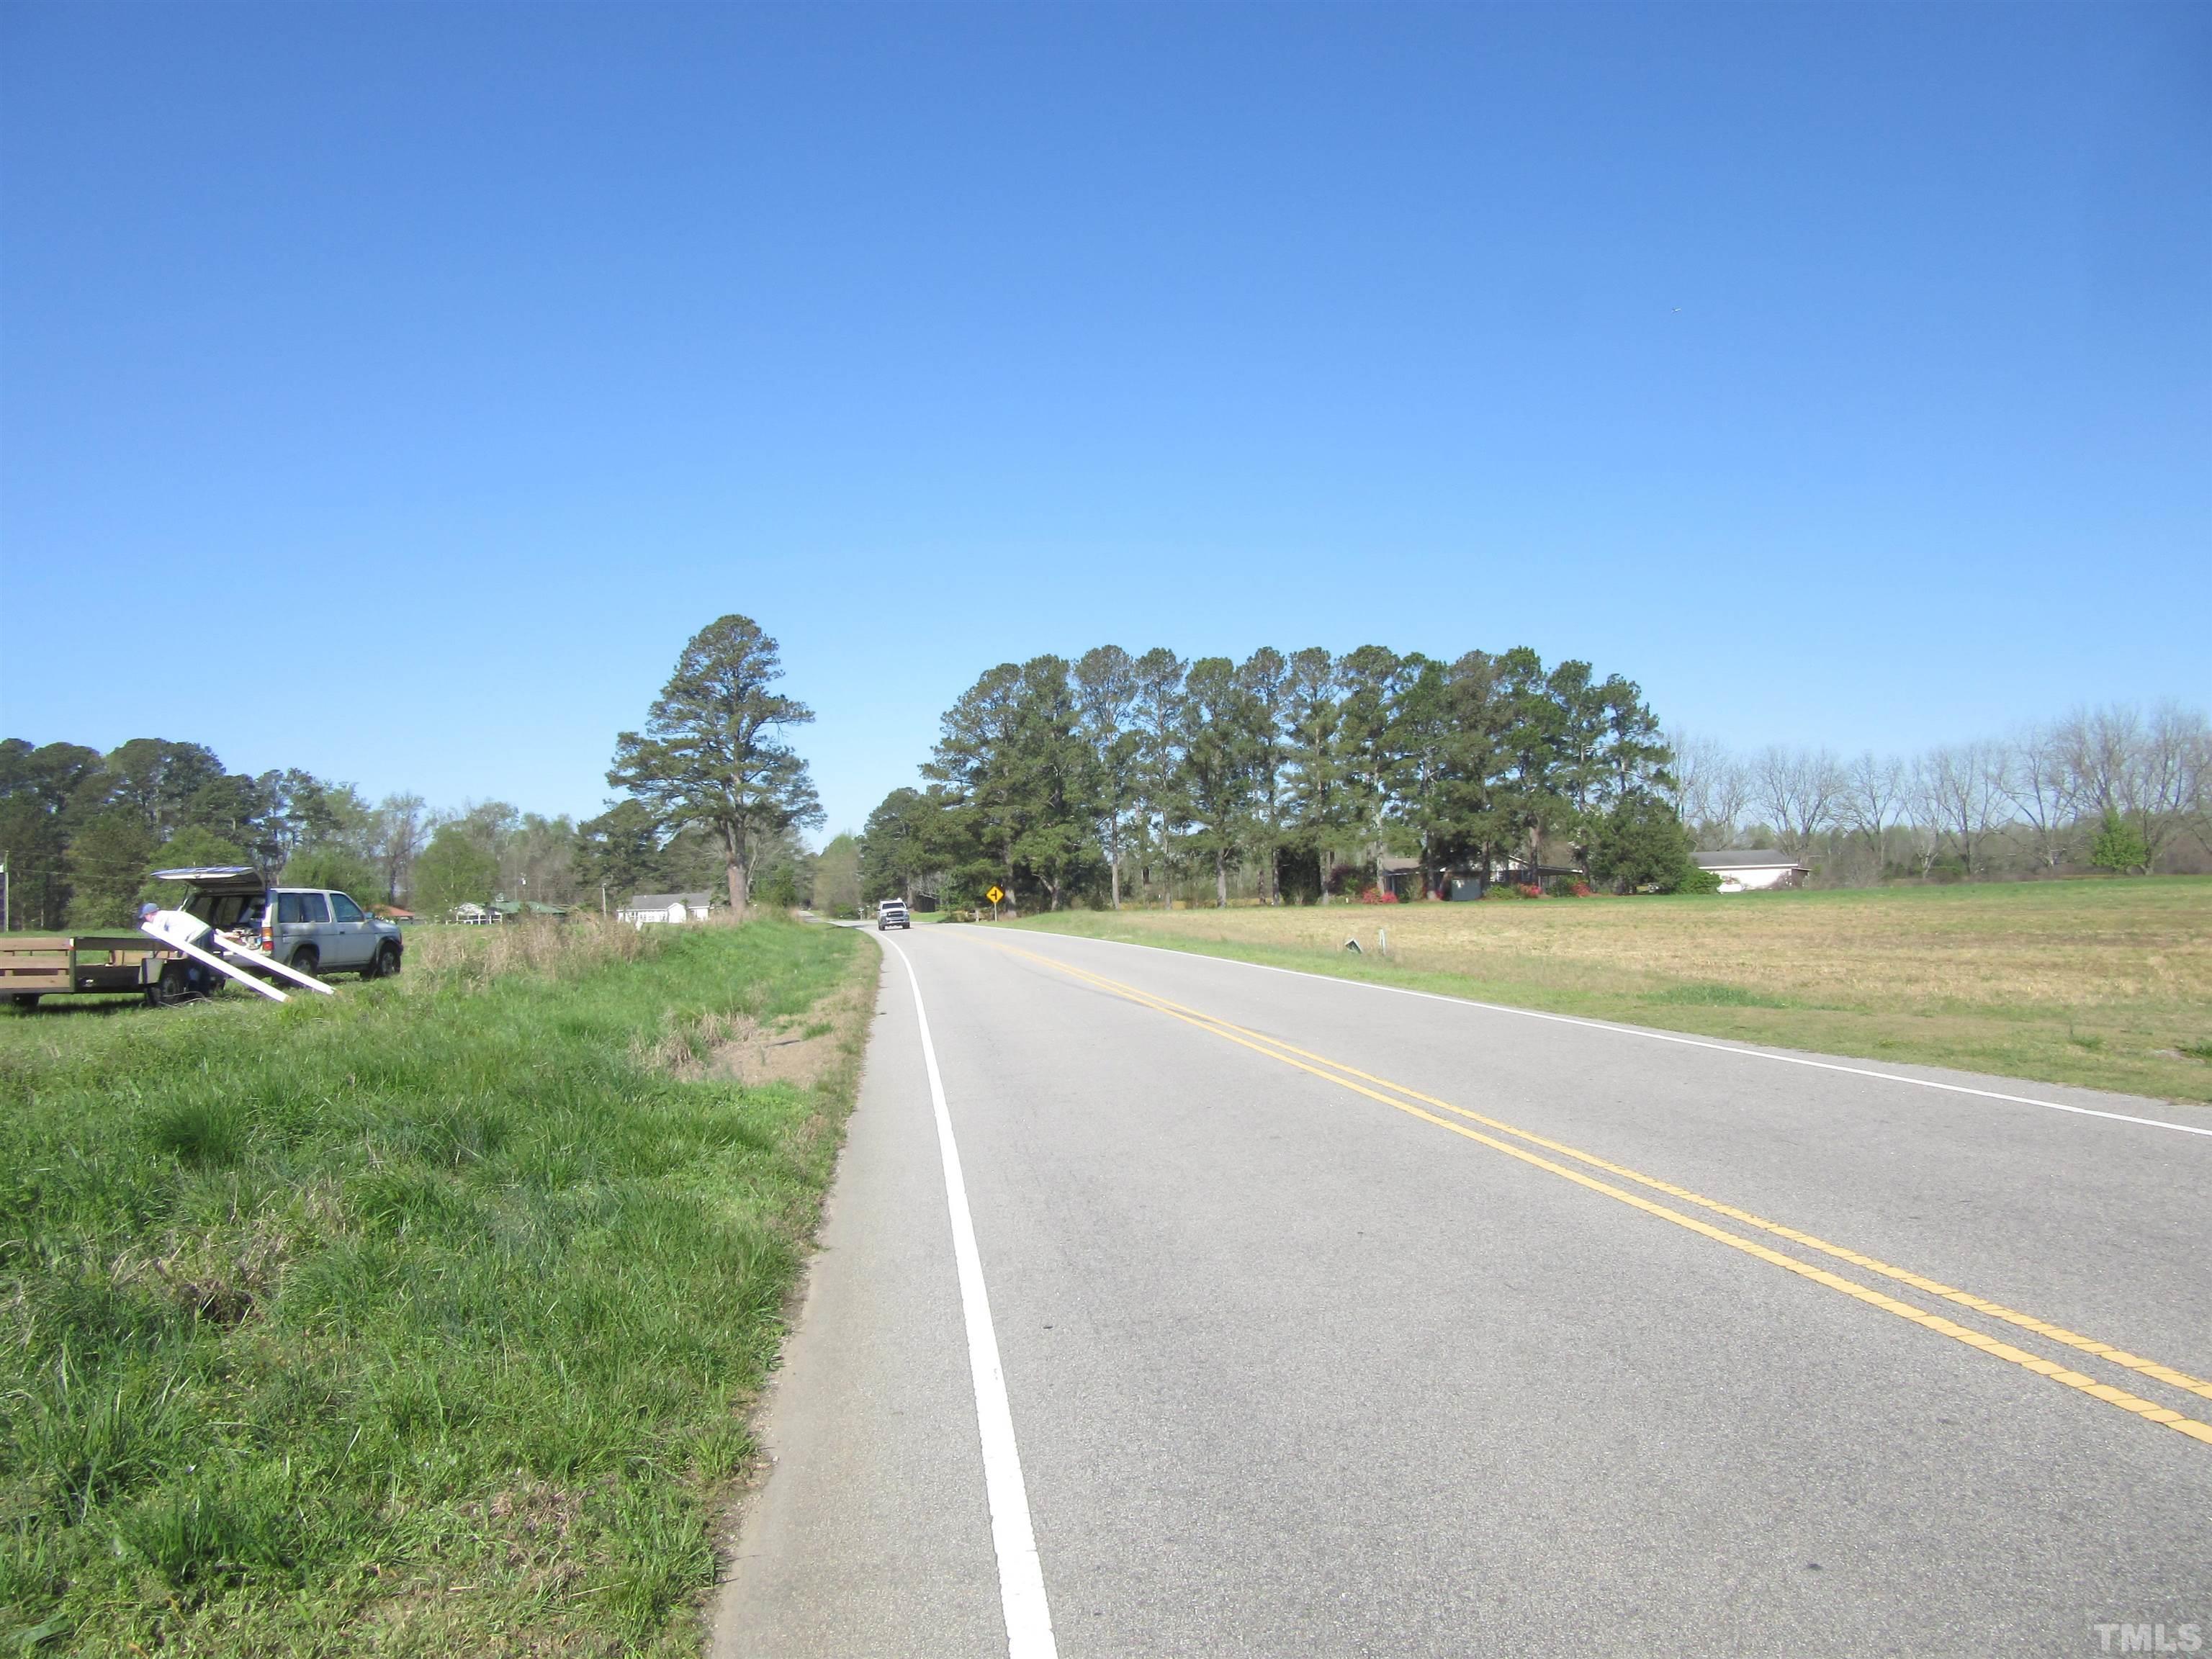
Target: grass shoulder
[
  {"x": 421, "y": 1320},
  {"x": 2103, "y": 984}
]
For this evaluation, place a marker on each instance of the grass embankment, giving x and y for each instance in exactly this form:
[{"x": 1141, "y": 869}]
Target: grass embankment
[
  {"x": 2106, "y": 984},
  {"x": 418, "y": 1321}
]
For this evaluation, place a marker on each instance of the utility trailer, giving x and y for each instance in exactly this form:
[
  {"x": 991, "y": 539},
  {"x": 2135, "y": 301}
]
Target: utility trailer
[
  {"x": 231, "y": 926},
  {"x": 113, "y": 961}
]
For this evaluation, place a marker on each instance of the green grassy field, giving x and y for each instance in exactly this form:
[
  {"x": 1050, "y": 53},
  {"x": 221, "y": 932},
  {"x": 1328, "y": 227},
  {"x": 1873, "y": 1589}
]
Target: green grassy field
[
  {"x": 419, "y": 1321},
  {"x": 2106, "y": 984}
]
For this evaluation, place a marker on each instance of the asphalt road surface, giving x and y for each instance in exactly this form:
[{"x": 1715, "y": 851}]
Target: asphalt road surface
[{"x": 1268, "y": 1314}]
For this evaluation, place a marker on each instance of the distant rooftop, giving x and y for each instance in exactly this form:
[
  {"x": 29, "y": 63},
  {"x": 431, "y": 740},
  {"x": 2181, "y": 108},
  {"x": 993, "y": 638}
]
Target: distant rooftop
[{"x": 1748, "y": 858}]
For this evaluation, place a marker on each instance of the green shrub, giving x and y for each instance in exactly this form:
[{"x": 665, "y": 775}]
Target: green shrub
[
  {"x": 2119, "y": 846},
  {"x": 779, "y": 890},
  {"x": 1641, "y": 843}
]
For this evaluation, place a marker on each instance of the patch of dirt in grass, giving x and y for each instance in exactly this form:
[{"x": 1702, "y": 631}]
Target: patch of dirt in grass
[
  {"x": 504, "y": 1595},
  {"x": 801, "y": 1052},
  {"x": 533, "y": 1523},
  {"x": 221, "y": 1273},
  {"x": 801, "y": 1049},
  {"x": 804, "y": 1050}
]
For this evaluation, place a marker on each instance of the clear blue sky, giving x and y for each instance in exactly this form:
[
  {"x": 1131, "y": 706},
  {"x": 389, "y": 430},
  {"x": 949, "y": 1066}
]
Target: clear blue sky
[{"x": 1842, "y": 375}]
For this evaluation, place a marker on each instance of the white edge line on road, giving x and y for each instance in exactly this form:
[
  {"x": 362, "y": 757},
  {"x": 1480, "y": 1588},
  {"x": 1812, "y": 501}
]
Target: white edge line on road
[
  {"x": 1655, "y": 1036},
  {"x": 1021, "y": 1576}
]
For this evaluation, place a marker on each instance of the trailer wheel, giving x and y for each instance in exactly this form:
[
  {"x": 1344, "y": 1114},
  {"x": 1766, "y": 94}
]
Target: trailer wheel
[
  {"x": 175, "y": 986},
  {"x": 25, "y": 1000}
]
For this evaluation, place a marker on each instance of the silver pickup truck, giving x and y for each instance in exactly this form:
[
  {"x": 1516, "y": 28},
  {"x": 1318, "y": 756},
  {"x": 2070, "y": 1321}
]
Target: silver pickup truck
[{"x": 313, "y": 929}]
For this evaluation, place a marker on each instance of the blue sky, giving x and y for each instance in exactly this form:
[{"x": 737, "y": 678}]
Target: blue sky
[{"x": 1842, "y": 375}]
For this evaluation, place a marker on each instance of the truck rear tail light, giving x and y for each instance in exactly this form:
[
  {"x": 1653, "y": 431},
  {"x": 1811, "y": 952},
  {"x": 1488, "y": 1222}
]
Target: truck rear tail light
[{"x": 268, "y": 938}]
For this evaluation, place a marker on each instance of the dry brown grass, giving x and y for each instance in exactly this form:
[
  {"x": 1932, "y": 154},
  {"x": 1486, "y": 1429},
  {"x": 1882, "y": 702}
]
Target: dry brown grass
[
  {"x": 2105, "y": 983},
  {"x": 448, "y": 954}
]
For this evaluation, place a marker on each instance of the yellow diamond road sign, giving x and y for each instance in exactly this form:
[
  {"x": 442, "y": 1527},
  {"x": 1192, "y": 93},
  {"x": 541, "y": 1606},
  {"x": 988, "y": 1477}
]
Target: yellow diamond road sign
[{"x": 994, "y": 896}]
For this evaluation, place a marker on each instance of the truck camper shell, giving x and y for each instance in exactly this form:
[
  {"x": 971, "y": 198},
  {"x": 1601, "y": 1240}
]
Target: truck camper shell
[{"x": 223, "y": 894}]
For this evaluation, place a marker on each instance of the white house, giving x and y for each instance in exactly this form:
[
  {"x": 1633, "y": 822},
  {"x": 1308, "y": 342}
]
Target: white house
[
  {"x": 663, "y": 906},
  {"x": 1746, "y": 870}
]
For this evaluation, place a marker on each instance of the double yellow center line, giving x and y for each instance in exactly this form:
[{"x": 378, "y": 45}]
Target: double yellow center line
[{"x": 1414, "y": 1103}]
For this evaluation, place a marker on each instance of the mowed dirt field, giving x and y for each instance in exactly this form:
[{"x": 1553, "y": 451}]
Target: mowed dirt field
[{"x": 2102, "y": 983}]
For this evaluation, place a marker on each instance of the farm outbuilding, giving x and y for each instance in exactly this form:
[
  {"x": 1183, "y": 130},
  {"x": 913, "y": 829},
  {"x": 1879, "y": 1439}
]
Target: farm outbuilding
[{"x": 1752, "y": 869}]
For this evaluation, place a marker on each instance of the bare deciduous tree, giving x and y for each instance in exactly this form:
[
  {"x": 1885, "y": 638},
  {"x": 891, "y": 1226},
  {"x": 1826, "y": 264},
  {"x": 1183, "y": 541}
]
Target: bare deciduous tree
[
  {"x": 1711, "y": 791},
  {"x": 1799, "y": 790},
  {"x": 402, "y": 827},
  {"x": 1966, "y": 784},
  {"x": 1874, "y": 796},
  {"x": 2032, "y": 801},
  {"x": 2169, "y": 776},
  {"x": 2197, "y": 810},
  {"x": 2039, "y": 784},
  {"x": 2148, "y": 772},
  {"x": 2094, "y": 746},
  {"x": 1923, "y": 810}
]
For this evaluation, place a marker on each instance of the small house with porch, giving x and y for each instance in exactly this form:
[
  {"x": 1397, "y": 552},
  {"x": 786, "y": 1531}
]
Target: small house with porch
[
  {"x": 663, "y": 906},
  {"x": 1472, "y": 880}
]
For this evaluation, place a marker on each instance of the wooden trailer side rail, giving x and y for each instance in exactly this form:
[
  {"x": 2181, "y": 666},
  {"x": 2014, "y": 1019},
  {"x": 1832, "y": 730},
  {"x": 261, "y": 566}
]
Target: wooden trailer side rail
[{"x": 60, "y": 964}]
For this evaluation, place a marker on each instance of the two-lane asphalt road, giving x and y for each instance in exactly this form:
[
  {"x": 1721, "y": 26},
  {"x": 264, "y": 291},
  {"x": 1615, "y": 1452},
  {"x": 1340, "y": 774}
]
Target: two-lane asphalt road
[{"x": 1214, "y": 1309}]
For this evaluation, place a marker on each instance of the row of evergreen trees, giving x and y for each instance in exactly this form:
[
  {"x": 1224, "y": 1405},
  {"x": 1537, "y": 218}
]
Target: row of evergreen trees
[
  {"x": 81, "y": 829},
  {"x": 1119, "y": 775}
]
